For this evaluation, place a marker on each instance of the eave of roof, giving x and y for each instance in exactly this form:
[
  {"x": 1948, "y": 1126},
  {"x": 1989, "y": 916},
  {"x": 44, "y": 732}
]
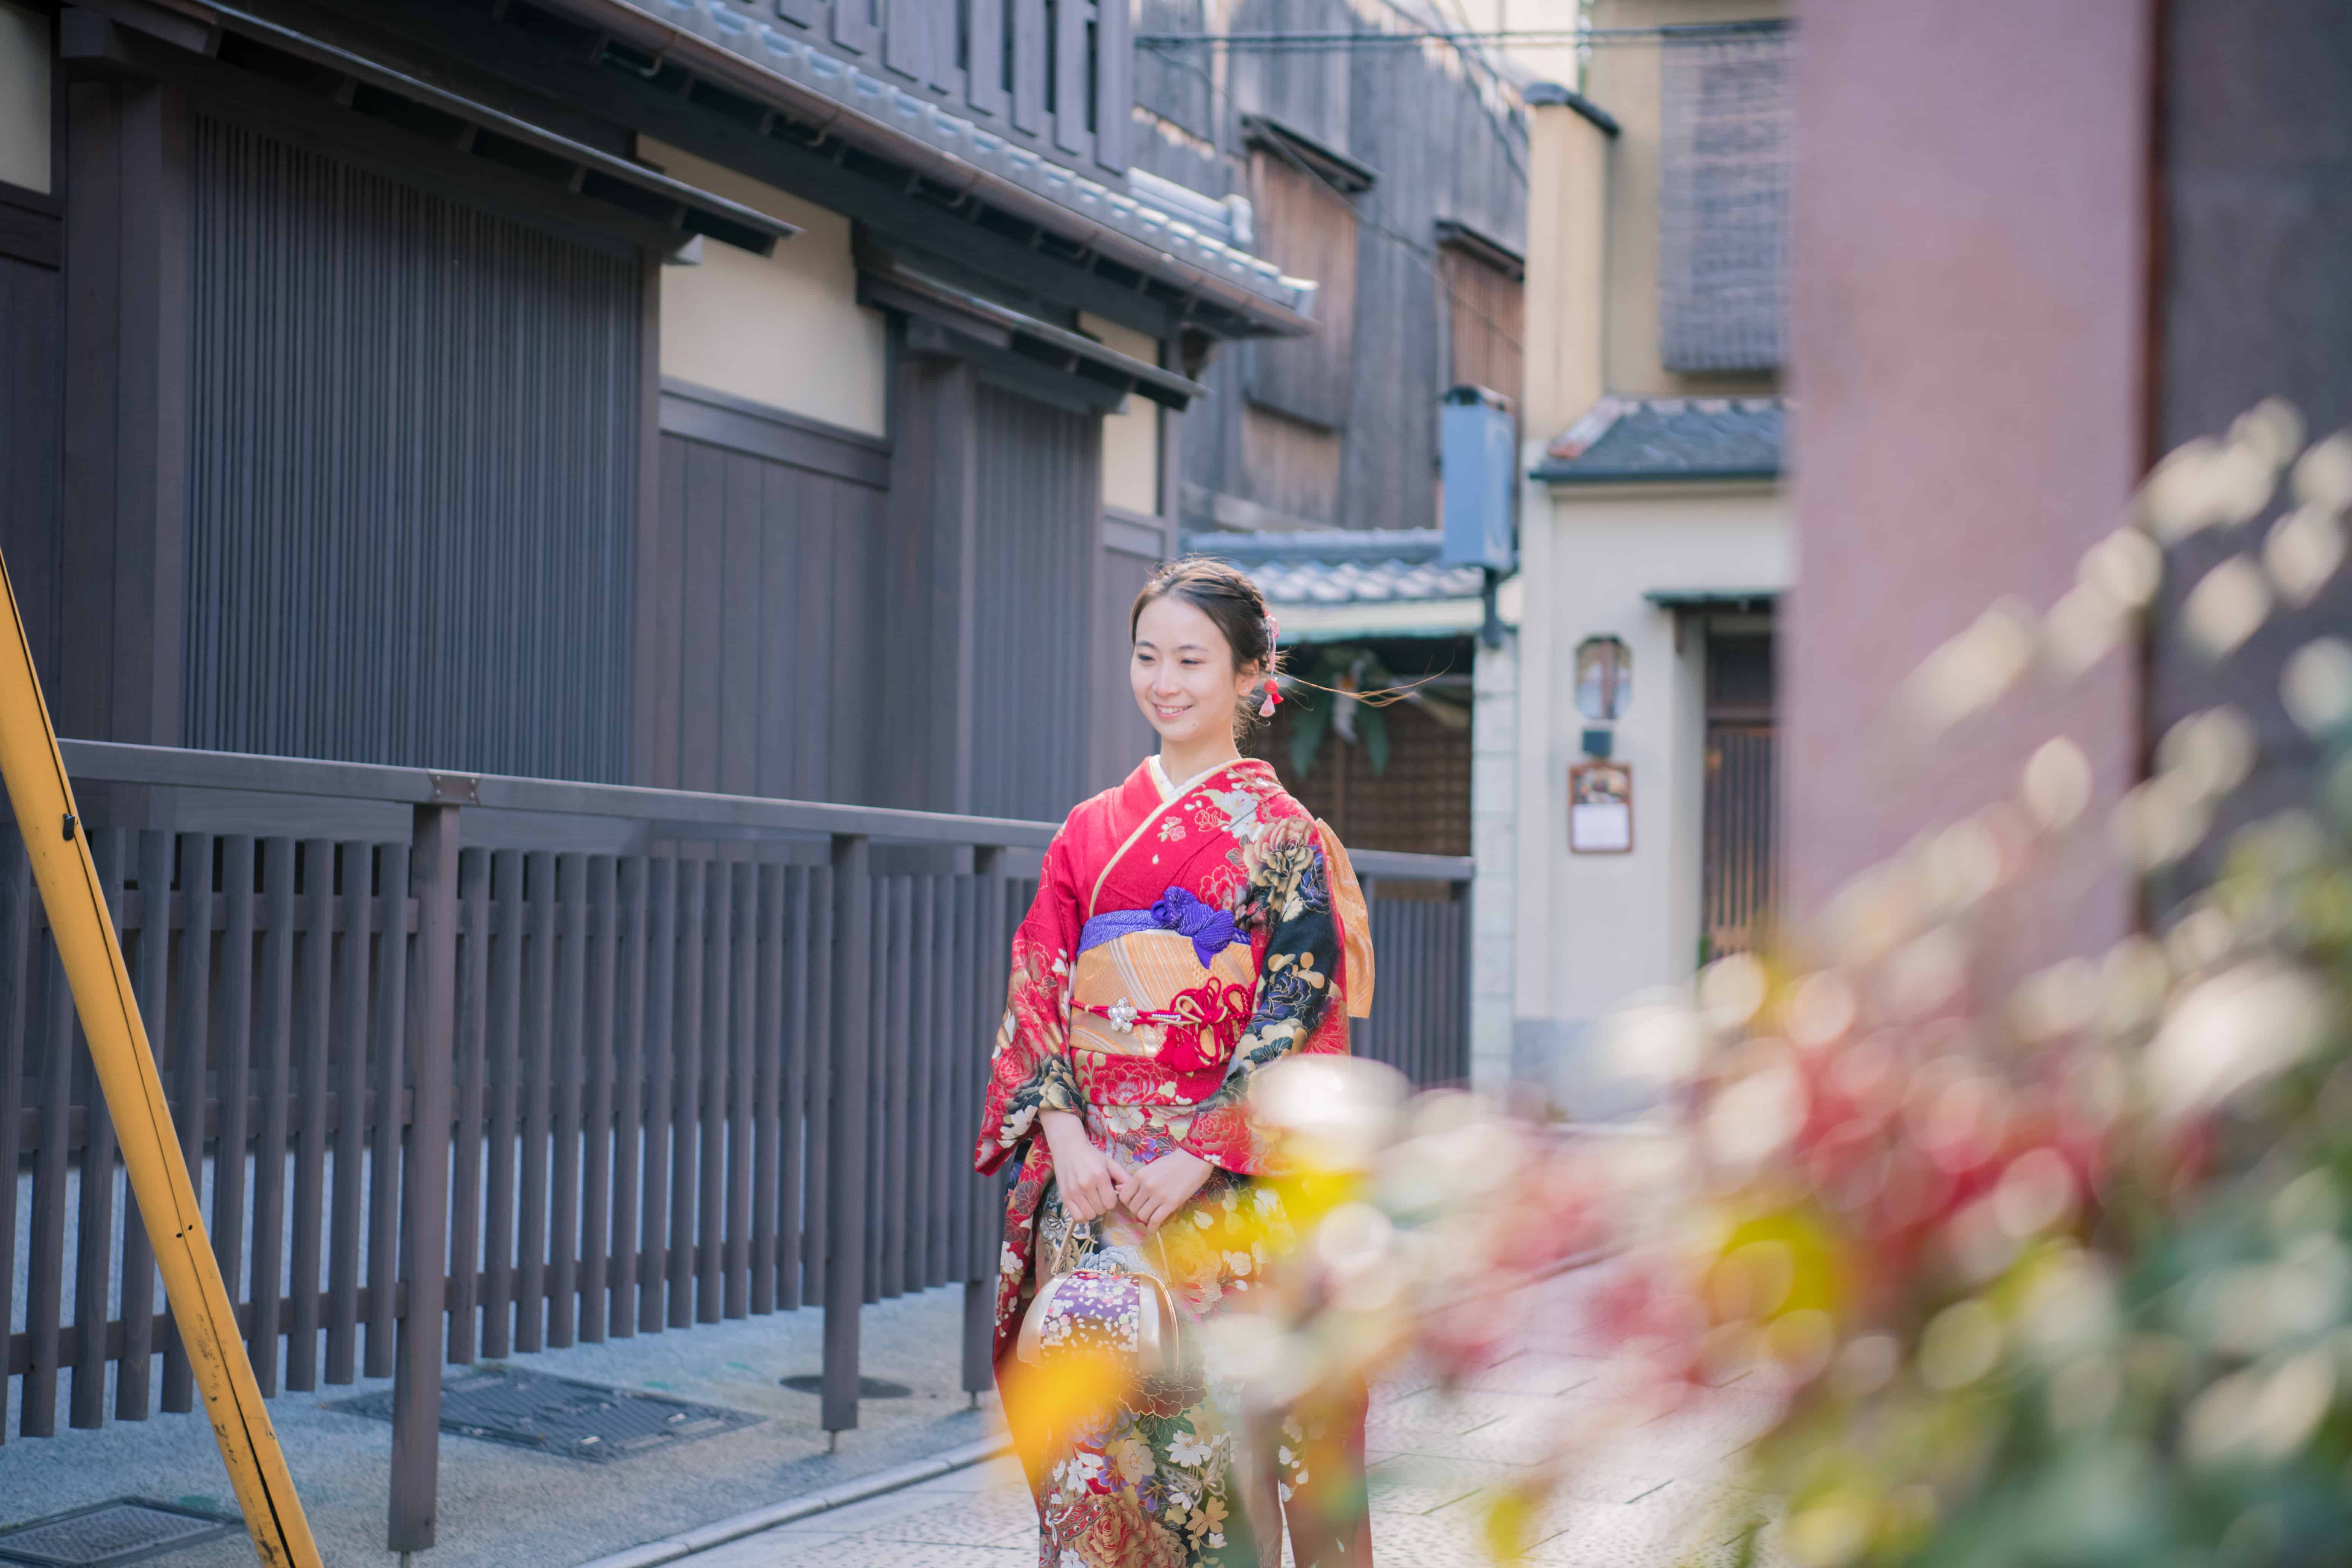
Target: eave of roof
[
  {"x": 1477, "y": 243},
  {"x": 815, "y": 89},
  {"x": 883, "y": 282},
  {"x": 1661, "y": 439},
  {"x": 1544, "y": 94},
  {"x": 702, "y": 213},
  {"x": 1721, "y": 600},
  {"x": 1327, "y": 585},
  {"x": 1329, "y": 163}
]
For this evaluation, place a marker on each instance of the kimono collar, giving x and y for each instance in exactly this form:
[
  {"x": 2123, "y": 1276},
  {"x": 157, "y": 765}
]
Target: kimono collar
[{"x": 1169, "y": 791}]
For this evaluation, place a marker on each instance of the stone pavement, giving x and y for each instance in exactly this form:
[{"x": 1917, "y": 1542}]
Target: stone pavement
[
  {"x": 504, "y": 1506},
  {"x": 1432, "y": 1458},
  {"x": 1655, "y": 1495}
]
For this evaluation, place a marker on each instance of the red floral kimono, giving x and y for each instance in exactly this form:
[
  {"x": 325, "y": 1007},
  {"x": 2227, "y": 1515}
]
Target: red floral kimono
[{"x": 1183, "y": 937}]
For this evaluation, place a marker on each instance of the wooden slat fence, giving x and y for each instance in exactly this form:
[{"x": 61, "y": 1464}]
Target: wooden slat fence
[
  {"x": 1421, "y": 947},
  {"x": 687, "y": 1058}
]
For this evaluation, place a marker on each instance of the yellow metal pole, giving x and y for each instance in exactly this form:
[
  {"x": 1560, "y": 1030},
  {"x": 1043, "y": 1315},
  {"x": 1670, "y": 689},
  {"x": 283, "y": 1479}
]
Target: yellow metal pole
[{"x": 43, "y": 799}]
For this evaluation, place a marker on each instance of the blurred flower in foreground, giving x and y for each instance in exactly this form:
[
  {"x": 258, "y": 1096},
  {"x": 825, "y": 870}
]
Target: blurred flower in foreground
[{"x": 2050, "y": 1272}]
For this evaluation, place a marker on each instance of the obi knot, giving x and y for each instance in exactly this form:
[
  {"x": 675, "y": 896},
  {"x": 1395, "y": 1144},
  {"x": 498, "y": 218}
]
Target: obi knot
[{"x": 1211, "y": 929}]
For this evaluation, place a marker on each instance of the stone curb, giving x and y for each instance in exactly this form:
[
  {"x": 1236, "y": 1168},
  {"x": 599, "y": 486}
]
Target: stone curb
[{"x": 702, "y": 1538}]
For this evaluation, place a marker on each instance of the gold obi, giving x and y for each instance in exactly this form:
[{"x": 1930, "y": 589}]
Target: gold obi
[{"x": 1128, "y": 995}]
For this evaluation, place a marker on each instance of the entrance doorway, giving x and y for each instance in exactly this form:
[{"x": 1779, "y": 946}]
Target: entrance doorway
[{"x": 1739, "y": 886}]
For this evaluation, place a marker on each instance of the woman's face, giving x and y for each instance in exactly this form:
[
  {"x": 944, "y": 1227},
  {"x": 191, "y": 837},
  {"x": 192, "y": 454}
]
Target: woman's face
[{"x": 1183, "y": 671}]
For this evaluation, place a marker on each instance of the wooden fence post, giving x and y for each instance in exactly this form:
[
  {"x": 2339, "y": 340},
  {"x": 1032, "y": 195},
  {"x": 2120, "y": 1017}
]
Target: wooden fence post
[
  {"x": 845, "y": 1116},
  {"x": 991, "y": 959},
  {"x": 1463, "y": 979},
  {"x": 1364, "y": 1035},
  {"x": 421, "y": 1337}
]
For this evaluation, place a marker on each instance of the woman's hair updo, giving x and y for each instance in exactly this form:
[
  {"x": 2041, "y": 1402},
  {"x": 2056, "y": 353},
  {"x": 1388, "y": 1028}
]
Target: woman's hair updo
[{"x": 1230, "y": 599}]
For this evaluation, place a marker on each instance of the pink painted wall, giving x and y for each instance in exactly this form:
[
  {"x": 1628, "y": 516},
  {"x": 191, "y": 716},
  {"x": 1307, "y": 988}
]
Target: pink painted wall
[{"x": 1971, "y": 275}]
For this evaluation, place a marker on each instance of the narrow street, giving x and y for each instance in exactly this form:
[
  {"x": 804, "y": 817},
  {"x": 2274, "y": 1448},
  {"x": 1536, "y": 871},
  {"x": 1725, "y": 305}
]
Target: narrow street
[{"x": 1657, "y": 1496}]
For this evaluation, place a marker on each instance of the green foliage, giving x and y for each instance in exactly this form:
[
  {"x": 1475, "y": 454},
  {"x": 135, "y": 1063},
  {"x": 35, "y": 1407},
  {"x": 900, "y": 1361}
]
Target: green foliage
[{"x": 1326, "y": 674}]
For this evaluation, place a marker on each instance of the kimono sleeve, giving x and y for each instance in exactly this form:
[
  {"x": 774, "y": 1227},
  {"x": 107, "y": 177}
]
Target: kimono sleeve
[
  {"x": 1292, "y": 1010},
  {"x": 1030, "y": 1070}
]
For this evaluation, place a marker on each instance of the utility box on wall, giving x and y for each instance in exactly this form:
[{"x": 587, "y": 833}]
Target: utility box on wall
[{"x": 1478, "y": 459}]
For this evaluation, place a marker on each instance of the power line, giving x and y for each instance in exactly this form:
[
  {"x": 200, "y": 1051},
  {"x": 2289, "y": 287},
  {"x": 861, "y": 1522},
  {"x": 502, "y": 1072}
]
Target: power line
[{"x": 1279, "y": 43}]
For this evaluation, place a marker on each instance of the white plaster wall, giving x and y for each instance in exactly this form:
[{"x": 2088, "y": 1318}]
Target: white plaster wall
[
  {"x": 23, "y": 97},
  {"x": 1130, "y": 438},
  {"x": 784, "y": 330},
  {"x": 1494, "y": 845},
  {"x": 1593, "y": 928}
]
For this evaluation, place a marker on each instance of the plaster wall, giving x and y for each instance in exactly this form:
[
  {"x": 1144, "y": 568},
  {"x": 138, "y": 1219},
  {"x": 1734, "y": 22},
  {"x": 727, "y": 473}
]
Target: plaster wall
[
  {"x": 1567, "y": 209},
  {"x": 25, "y": 63},
  {"x": 1493, "y": 845},
  {"x": 1130, "y": 437},
  {"x": 1590, "y": 930},
  {"x": 784, "y": 330}
]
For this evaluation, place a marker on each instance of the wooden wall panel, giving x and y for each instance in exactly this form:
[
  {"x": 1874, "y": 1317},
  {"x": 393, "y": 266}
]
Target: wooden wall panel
[
  {"x": 1461, "y": 155},
  {"x": 1172, "y": 84},
  {"x": 1311, "y": 89},
  {"x": 125, "y": 463},
  {"x": 1036, "y": 657},
  {"x": 1485, "y": 310},
  {"x": 31, "y": 450},
  {"x": 1122, "y": 737},
  {"x": 761, "y": 625},
  {"x": 1381, "y": 355},
  {"x": 1308, "y": 230},
  {"x": 921, "y": 739},
  {"x": 412, "y": 474},
  {"x": 1291, "y": 467}
]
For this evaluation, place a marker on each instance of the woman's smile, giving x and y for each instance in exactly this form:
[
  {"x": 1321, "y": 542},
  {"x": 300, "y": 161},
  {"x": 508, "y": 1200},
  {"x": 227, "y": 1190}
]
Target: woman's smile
[{"x": 1186, "y": 684}]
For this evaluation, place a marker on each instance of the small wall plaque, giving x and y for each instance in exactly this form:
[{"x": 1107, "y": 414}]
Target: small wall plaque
[{"x": 1600, "y": 808}]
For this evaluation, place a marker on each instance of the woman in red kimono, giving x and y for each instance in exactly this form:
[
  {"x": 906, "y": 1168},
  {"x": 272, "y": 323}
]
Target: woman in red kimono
[{"x": 1192, "y": 926}]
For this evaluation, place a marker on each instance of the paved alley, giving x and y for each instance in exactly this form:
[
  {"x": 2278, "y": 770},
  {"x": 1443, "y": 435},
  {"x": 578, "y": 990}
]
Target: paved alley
[{"x": 1658, "y": 1495}]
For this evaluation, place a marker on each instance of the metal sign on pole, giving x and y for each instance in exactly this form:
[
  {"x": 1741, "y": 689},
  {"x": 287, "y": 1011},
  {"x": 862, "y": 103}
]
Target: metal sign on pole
[{"x": 43, "y": 800}]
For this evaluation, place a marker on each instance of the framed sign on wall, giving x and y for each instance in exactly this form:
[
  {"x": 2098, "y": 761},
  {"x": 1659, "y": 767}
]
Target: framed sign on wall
[{"x": 1600, "y": 808}]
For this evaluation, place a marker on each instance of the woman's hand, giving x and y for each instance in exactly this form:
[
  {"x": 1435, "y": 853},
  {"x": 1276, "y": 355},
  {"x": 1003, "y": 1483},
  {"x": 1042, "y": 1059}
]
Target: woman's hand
[
  {"x": 1165, "y": 1185},
  {"x": 1091, "y": 1183}
]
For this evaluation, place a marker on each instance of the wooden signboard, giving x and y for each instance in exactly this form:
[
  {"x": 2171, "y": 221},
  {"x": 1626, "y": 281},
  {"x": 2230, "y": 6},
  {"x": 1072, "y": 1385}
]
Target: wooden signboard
[{"x": 1600, "y": 808}]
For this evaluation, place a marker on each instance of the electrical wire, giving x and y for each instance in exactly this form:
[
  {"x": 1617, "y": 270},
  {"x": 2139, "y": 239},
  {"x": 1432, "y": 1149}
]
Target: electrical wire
[{"x": 1276, "y": 43}]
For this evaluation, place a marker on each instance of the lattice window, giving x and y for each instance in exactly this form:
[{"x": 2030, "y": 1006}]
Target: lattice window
[{"x": 1723, "y": 213}]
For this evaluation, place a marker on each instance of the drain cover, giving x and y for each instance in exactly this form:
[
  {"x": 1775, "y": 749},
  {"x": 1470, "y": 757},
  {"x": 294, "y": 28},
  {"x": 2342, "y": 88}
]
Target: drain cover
[
  {"x": 559, "y": 1416},
  {"x": 868, "y": 1387},
  {"x": 128, "y": 1529}
]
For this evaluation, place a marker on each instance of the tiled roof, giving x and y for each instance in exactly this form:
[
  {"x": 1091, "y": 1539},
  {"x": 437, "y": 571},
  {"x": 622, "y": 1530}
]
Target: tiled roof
[
  {"x": 1179, "y": 236},
  {"x": 1340, "y": 567},
  {"x": 1637, "y": 439}
]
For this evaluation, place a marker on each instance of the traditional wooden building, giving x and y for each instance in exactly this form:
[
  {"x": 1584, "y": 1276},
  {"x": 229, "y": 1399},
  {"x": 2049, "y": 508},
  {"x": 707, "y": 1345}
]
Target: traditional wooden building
[
  {"x": 780, "y": 399},
  {"x": 1390, "y": 168}
]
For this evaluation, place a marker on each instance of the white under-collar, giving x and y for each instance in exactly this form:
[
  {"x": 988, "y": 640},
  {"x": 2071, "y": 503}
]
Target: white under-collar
[{"x": 1169, "y": 791}]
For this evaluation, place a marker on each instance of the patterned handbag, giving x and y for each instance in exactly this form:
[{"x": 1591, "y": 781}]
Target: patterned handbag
[{"x": 1123, "y": 1316}]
